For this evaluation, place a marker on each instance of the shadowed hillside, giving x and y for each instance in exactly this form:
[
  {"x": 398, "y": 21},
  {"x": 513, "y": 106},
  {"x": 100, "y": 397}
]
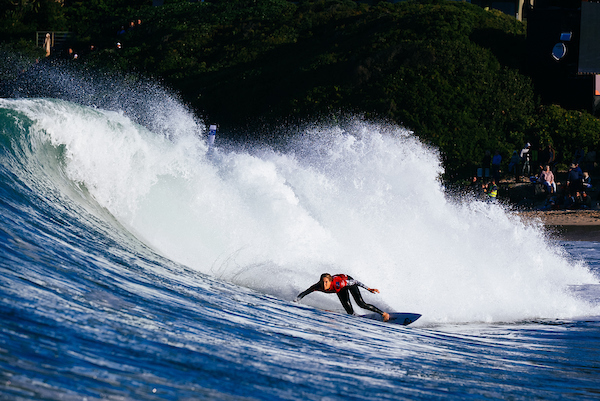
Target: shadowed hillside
[{"x": 450, "y": 71}]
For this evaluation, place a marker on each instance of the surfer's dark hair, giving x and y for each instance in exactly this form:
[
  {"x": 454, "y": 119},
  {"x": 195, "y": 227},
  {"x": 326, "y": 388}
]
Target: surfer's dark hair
[{"x": 325, "y": 275}]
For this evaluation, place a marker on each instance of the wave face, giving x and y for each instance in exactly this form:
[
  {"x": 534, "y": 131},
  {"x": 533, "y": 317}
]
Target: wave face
[{"x": 125, "y": 245}]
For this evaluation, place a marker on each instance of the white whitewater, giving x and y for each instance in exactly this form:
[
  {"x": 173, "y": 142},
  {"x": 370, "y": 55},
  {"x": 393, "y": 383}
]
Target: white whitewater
[{"x": 364, "y": 199}]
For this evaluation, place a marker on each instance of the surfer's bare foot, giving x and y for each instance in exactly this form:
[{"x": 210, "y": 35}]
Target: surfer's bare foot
[{"x": 386, "y": 317}]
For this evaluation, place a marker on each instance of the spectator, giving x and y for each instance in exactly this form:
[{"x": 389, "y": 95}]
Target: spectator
[
  {"x": 574, "y": 179},
  {"x": 551, "y": 203},
  {"x": 586, "y": 201},
  {"x": 526, "y": 160},
  {"x": 547, "y": 178},
  {"x": 573, "y": 201},
  {"x": 514, "y": 164},
  {"x": 47, "y": 44},
  {"x": 586, "y": 181},
  {"x": 478, "y": 188},
  {"x": 492, "y": 191}
]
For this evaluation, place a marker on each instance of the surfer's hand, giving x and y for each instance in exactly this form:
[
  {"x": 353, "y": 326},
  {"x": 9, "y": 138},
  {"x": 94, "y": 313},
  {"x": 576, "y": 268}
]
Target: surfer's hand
[
  {"x": 296, "y": 300},
  {"x": 373, "y": 290}
]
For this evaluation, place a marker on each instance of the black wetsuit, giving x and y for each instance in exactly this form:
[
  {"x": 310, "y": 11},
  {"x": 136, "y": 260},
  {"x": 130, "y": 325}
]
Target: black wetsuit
[{"x": 350, "y": 286}]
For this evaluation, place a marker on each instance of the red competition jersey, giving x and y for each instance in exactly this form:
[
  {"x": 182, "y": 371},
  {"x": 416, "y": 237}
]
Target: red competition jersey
[{"x": 338, "y": 282}]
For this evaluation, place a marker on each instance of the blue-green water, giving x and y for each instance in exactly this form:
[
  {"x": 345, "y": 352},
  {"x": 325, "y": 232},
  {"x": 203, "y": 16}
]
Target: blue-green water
[{"x": 134, "y": 266}]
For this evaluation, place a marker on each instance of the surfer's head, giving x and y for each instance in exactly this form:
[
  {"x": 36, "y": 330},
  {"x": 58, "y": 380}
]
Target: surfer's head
[{"x": 325, "y": 281}]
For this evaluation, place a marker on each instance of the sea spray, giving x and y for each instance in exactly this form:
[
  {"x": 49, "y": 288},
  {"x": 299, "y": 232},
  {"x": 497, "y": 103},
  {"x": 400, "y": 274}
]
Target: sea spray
[
  {"x": 362, "y": 198},
  {"x": 142, "y": 100}
]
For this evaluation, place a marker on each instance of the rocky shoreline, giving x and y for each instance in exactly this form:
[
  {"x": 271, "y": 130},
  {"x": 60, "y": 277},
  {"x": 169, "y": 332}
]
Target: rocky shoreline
[
  {"x": 569, "y": 225},
  {"x": 565, "y": 217}
]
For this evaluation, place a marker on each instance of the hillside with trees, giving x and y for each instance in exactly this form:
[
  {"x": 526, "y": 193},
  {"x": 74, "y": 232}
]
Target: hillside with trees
[{"x": 450, "y": 71}]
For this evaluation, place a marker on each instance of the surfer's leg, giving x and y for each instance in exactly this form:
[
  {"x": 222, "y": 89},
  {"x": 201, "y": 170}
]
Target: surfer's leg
[
  {"x": 345, "y": 300},
  {"x": 360, "y": 302}
]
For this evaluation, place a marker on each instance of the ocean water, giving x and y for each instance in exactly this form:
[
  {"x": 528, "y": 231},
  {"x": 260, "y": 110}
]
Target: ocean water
[{"x": 137, "y": 265}]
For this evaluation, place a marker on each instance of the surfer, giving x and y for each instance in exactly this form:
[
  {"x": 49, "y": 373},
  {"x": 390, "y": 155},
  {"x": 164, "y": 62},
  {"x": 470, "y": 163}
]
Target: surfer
[{"x": 343, "y": 286}]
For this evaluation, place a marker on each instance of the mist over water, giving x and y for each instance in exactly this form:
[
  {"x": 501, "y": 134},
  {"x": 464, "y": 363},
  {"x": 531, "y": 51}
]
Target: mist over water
[
  {"x": 358, "y": 198},
  {"x": 143, "y": 100}
]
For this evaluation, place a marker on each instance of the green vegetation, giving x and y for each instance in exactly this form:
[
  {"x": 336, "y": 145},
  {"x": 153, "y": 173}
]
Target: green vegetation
[
  {"x": 20, "y": 19},
  {"x": 450, "y": 71}
]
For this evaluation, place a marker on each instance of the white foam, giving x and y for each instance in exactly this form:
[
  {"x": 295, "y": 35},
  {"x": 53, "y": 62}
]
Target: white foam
[{"x": 364, "y": 200}]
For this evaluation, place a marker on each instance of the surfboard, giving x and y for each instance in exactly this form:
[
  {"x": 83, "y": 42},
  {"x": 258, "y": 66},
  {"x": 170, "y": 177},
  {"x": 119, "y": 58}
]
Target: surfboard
[{"x": 396, "y": 318}]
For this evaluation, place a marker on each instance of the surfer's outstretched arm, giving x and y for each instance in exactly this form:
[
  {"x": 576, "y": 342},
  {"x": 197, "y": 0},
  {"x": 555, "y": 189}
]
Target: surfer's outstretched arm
[
  {"x": 351, "y": 281},
  {"x": 313, "y": 288}
]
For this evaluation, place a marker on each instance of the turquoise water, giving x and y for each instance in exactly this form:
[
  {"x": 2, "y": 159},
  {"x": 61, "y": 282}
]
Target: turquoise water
[{"x": 135, "y": 266}]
